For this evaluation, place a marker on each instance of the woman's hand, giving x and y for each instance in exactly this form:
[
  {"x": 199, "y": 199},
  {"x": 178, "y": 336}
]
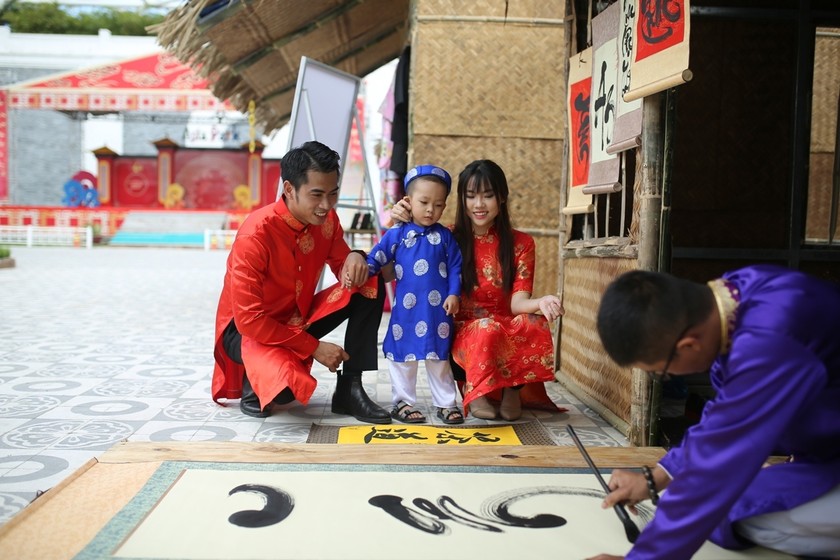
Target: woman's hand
[
  {"x": 606, "y": 557},
  {"x": 551, "y": 307},
  {"x": 401, "y": 211}
]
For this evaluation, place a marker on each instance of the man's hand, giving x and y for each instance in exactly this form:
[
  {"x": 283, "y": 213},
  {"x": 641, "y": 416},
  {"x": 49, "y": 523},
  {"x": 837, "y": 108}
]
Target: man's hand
[
  {"x": 330, "y": 355},
  {"x": 354, "y": 271},
  {"x": 401, "y": 211},
  {"x": 628, "y": 488}
]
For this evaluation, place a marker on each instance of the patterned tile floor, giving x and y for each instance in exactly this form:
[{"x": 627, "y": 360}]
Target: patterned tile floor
[{"x": 110, "y": 344}]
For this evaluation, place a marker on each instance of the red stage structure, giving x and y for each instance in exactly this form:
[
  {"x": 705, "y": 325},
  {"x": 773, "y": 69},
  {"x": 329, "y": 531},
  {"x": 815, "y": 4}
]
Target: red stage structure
[
  {"x": 187, "y": 178},
  {"x": 180, "y": 178}
]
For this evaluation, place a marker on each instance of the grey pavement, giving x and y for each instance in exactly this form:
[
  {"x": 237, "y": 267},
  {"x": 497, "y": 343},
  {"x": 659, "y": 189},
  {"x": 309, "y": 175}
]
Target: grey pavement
[{"x": 112, "y": 344}]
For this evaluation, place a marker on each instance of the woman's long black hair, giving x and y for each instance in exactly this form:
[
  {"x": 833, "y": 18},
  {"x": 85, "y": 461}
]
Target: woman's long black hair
[{"x": 484, "y": 175}]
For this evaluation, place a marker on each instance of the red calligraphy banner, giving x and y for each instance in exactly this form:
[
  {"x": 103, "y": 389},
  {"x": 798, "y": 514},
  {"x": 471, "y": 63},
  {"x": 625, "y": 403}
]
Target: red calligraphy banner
[
  {"x": 660, "y": 25},
  {"x": 660, "y": 47},
  {"x": 578, "y": 101},
  {"x": 580, "y": 139}
]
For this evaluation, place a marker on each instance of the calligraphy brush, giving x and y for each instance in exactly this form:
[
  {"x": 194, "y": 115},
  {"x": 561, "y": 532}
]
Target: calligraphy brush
[{"x": 630, "y": 528}]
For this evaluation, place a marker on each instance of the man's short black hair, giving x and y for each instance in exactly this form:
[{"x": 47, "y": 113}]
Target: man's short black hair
[
  {"x": 310, "y": 156},
  {"x": 641, "y": 313}
]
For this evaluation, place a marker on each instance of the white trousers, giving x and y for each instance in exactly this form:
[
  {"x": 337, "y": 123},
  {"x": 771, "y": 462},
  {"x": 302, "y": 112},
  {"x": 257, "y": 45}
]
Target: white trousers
[
  {"x": 441, "y": 382},
  {"x": 812, "y": 529}
]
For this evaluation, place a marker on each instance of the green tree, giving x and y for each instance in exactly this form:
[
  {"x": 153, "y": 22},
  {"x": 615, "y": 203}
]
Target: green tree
[{"x": 24, "y": 17}]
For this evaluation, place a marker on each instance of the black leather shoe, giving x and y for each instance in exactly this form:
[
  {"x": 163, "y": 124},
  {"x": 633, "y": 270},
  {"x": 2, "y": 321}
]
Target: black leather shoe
[
  {"x": 249, "y": 403},
  {"x": 285, "y": 397},
  {"x": 350, "y": 398}
]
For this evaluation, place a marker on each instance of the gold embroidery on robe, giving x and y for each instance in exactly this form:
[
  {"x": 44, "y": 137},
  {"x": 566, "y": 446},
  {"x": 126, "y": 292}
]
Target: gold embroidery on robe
[
  {"x": 727, "y": 298},
  {"x": 306, "y": 243}
]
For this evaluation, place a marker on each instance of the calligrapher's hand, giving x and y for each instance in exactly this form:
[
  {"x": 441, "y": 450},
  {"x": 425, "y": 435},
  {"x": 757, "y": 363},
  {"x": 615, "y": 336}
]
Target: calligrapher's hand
[
  {"x": 330, "y": 355},
  {"x": 628, "y": 488},
  {"x": 551, "y": 307},
  {"x": 354, "y": 271},
  {"x": 451, "y": 305},
  {"x": 401, "y": 212}
]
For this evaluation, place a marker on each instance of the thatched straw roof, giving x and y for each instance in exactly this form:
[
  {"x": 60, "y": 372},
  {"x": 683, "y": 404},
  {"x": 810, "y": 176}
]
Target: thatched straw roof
[{"x": 251, "y": 49}]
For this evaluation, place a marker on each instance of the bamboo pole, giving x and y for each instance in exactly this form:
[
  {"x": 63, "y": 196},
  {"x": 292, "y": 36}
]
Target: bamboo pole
[
  {"x": 650, "y": 193},
  {"x": 563, "y": 224},
  {"x": 493, "y": 19}
]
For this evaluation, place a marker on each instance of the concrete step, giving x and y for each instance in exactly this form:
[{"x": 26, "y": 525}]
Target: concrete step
[{"x": 172, "y": 222}]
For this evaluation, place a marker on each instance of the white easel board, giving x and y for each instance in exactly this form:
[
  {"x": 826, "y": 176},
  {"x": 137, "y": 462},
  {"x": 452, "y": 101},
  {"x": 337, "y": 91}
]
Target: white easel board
[{"x": 323, "y": 108}]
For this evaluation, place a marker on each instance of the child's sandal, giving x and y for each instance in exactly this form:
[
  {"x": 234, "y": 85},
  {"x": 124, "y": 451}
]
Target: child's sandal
[
  {"x": 406, "y": 413},
  {"x": 450, "y": 415}
]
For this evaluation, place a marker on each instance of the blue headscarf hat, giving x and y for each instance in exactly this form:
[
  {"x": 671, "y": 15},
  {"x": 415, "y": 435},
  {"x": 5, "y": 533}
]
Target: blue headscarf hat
[{"x": 425, "y": 171}]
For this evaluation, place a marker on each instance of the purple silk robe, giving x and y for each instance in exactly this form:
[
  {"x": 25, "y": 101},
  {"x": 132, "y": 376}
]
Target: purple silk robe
[{"x": 777, "y": 393}]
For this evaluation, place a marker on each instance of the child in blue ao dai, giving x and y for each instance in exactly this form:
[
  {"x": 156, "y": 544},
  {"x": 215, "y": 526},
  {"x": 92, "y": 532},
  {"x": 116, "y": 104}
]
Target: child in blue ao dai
[{"x": 427, "y": 264}]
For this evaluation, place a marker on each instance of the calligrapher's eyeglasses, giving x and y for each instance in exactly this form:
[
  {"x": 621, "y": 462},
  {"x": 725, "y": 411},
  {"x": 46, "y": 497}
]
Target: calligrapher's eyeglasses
[{"x": 663, "y": 375}]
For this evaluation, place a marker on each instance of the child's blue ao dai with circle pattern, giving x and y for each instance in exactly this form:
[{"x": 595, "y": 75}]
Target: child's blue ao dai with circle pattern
[{"x": 427, "y": 263}]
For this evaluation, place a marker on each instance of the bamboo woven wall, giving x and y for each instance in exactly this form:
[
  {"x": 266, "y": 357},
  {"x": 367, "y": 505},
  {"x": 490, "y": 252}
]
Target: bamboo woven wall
[
  {"x": 483, "y": 88},
  {"x": 474, "y": 78},
  {"x": 826, "y": 90},
  {"x": 824, "y": 107},
  {"x": 534, "y": 201},
  {"x": 599, "y": 382}
]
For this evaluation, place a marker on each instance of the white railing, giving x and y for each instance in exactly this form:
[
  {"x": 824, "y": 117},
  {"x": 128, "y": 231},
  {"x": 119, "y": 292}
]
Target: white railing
[
  {"x": 47, "y": 235},
  {"x": 218, "y": 238}
]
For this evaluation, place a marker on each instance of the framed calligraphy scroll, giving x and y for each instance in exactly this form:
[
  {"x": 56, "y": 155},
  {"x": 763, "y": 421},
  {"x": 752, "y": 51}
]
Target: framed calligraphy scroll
[
  {"x": 604, "y": 167},
  {"x": 579, "y": 91},
  {"x": 660, "y": 47},
  {"x": 628, "y": 124}
]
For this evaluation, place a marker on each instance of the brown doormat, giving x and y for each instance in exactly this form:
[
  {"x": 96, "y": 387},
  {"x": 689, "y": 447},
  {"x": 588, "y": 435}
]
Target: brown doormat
[{"x": 528, "y": 433}]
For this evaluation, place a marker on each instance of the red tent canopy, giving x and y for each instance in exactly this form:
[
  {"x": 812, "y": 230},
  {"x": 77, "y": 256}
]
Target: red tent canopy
[{"x": 154, "y": 82}]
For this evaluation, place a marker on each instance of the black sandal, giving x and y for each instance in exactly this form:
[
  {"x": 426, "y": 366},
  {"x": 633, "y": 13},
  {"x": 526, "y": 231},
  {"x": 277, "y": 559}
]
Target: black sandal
[
  {"x": 450, "y": 415},
  {"x": 403, "y": 412}
]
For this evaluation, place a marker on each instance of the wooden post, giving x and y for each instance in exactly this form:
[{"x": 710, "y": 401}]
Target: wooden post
[
  {"x": 568, "y": 30},
  {"x": 650, "y": 208}
]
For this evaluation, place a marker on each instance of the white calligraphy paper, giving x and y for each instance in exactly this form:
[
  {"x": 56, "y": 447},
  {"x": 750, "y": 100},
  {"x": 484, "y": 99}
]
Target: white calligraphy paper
[{"x": 344, "y": 514}]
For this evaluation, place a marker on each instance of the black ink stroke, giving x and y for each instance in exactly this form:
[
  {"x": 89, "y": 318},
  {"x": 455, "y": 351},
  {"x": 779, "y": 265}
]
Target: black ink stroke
[
  {"x": 495, "y": 510},
  {"x": 391, "y": 434},
  {"x": 449, "y": 509},
  {"x": 278, "y": 505},
  {"x": 447, "y": 436},
  {"x": 499, "y": 506},
  {"x": 604, "y": 104},
  {"x": 393, "y": 506},
  {"x": 658, "y": 18},
  {"x": 581, "y": 113},
  {"x": 626, "y": 42}
]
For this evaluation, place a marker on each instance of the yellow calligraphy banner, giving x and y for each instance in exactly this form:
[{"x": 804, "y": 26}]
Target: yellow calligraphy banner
[{"x": 429, "y": 435}]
